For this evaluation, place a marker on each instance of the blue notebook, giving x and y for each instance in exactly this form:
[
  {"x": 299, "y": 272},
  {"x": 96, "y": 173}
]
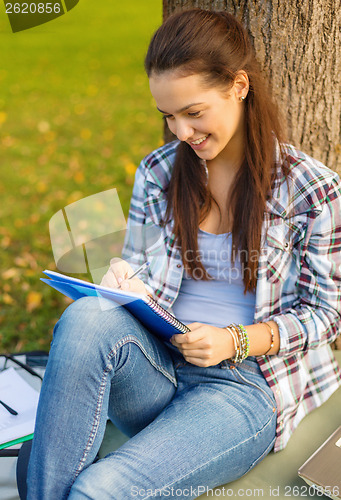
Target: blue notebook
[{"x": 153, "y": 316}]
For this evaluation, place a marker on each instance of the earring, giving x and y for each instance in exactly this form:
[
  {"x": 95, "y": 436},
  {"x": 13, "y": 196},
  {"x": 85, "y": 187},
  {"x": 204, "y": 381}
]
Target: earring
[{"x": 241, "y": 98}]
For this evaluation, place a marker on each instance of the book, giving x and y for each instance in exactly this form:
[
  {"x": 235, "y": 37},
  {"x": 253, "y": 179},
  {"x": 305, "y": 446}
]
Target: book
[
  {"x": 323, "y": 469},
  {"x": 146, "y": 309},
  {"x": 21, "y": 397}
]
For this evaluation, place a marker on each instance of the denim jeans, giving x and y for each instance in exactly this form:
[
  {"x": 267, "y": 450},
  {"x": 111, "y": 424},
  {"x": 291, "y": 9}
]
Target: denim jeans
[{"x": 189, "y": 426}]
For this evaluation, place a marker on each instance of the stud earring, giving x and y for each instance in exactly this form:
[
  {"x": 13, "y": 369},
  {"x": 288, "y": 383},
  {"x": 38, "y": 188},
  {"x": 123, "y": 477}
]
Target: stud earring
[{"x": 241, "y": 98}]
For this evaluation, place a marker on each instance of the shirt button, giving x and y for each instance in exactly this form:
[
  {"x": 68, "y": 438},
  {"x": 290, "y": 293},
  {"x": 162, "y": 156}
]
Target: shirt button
[
  {"x": 286, "y": 245},
  {"x": 178, "y": 266}
]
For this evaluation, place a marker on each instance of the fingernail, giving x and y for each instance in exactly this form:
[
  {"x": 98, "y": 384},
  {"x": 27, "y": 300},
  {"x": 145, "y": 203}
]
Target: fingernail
[{"x": 119, "y": 280}]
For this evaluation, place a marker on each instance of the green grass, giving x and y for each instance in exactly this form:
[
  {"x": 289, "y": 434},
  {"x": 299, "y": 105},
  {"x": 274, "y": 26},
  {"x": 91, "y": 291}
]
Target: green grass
[{"x": 76, "y": 117}]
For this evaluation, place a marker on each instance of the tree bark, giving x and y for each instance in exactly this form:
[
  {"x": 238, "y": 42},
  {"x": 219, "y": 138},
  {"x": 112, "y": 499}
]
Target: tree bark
[{"x": 298, "y": 46}]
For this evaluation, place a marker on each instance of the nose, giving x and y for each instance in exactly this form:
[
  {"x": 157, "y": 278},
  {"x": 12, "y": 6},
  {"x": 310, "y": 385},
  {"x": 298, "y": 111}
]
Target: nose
[{"x": 181, "y": 129}]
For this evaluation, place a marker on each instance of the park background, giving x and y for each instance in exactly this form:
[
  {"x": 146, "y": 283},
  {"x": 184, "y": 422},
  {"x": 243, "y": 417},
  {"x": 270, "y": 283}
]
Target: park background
[{"x": 76, "y": 118}]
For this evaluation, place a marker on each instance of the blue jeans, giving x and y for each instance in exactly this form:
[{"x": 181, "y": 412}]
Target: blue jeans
[{"x": 189, "y": 427}]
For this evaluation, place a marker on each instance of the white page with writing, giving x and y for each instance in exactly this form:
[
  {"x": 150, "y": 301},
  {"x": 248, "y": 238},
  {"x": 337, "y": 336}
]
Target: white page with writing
[{"x": 21, "y": 397}]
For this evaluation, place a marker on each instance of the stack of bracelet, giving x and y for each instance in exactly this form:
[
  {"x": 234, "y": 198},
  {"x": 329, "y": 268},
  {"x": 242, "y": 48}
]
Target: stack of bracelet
[{"x": 240, "y": 340}]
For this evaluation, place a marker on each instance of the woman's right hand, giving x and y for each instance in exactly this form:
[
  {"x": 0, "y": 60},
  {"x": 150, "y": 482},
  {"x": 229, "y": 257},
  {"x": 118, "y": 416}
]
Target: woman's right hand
[{"x": 118, "y": 274}]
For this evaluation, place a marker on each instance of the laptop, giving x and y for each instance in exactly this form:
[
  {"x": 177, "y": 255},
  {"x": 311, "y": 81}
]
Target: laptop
[{"x": 323, "y": 469}]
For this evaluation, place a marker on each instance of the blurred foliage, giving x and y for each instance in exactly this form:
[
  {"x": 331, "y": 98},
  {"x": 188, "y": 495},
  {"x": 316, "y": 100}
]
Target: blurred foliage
[{"x": 76, "y": 117}]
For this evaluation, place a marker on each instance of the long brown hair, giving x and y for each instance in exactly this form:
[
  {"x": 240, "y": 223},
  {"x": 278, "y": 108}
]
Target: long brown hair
[{"x": 216, "y": 46}]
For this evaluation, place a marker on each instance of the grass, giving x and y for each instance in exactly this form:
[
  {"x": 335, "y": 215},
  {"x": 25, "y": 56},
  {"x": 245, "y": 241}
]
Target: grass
[{"x": 76, "y": 117}]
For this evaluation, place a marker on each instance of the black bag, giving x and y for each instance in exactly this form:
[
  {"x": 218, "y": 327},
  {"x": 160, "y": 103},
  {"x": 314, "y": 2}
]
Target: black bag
[{"x": 22, "y": 467}]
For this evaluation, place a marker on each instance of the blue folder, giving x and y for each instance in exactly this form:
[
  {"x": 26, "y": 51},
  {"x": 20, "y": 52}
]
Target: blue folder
[{"x": 143, "y": 307}]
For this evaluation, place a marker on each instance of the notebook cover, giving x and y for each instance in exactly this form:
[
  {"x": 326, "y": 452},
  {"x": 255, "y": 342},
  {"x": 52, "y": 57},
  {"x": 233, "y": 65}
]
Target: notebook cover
[
  {"x": 16, "y": 441},
  {"x": 134, "y": 303},
  {"x": 323, "y": 468}
]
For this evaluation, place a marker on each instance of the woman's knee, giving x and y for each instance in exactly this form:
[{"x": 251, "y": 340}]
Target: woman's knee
[
  {"x": 89, "y": 307},
  {"x": 89, "y": 321},
  {"x": 97, "y": 481}
]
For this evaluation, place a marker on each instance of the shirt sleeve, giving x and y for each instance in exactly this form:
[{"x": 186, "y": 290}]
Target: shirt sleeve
[
  {"x": 316, "y": 319},
  {"x": 135, "y": 241}
]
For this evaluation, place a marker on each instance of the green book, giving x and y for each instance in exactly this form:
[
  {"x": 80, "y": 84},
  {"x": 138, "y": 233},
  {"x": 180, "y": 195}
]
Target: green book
[{"x": 16, "y": 441}]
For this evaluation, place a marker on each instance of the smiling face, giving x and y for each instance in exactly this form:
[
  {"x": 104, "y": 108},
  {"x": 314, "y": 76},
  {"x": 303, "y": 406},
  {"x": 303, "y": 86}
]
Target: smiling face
[{"x": 210, "y": 120}]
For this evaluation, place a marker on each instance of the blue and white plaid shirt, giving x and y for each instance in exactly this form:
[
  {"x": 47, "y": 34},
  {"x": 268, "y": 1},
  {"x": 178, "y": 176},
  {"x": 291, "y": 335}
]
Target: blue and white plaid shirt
[{"x": 299, "y": 273}]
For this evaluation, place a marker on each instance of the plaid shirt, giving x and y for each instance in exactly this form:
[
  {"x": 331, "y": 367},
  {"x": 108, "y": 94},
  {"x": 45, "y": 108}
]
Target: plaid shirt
[{"x": 299, "y": 273}]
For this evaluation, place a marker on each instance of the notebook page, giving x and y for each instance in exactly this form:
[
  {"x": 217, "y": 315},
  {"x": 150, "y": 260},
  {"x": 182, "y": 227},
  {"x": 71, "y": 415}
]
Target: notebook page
[{"x": 21, "y": 397}]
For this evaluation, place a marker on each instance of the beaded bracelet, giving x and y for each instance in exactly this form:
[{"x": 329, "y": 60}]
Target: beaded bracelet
[
  {"x": 272, "y": 338},
  {"x": 241, "y": 342},
  {"x": 244, "y": 340}
]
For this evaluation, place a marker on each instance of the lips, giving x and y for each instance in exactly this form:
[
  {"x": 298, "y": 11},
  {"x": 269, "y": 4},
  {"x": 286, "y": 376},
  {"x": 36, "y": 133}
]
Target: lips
[{"x": 199, "y": 143}]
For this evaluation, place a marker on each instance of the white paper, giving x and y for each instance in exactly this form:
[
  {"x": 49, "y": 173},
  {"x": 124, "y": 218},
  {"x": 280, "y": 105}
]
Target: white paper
[{"x": 21, "y": 397}]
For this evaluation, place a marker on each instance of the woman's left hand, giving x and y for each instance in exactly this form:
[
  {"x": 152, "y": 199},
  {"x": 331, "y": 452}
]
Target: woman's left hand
[{"x": 204, "y": 345}]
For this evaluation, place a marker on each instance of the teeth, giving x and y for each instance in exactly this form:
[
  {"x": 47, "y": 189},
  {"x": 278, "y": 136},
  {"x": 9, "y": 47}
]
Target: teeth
[{"x": 199, "y": 141}]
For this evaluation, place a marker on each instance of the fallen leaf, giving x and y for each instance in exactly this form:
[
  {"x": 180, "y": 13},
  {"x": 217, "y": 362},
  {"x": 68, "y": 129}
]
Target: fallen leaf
[
  {"x": 41, "y": 187},
  {"x": 33, "y": 300},
  {"x": 26, "y": 260},
  {"x": 79, "y": 177},
  {"x": 130, "y": 168},
  {"x": 12, "y": 272},
  {"x": 19, "y": 346},
  {"x": 3, "y": 117},
  {"x": 43, "y": 126},
  {"x": 7, "y": 299},
  {"x": 6, "y": 241},
  {"x": 85, "y": 134}
]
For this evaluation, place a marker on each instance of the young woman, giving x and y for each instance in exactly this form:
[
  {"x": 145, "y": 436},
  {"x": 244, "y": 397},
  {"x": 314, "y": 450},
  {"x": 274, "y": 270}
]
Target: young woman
[{"x": 243, "y": 235}]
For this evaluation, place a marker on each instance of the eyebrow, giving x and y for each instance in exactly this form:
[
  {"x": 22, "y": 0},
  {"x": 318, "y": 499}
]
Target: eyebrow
[{"x": 182, "y": 109}]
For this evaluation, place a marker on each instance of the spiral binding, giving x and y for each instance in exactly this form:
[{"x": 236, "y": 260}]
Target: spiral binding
[{"x": 160, "y": 311}]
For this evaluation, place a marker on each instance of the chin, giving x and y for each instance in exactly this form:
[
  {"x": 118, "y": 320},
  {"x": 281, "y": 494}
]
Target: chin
[{"x": 205, "y": 155}]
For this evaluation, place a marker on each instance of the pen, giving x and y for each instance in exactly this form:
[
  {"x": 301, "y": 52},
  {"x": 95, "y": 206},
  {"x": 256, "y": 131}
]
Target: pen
[
  {"x": 8, "y": 408},
  {"x": 139, "y": 270}
]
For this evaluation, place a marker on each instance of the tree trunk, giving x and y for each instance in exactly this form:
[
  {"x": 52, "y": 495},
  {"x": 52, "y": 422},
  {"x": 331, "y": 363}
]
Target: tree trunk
[{"x": 298, "y": 46}]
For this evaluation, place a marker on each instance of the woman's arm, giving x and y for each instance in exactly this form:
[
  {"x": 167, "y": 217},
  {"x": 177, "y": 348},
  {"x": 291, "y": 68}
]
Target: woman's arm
[
  {"x": 315, "y": 319},
  {"x": 133, "y": 249},
  {"x": 207, "y": 345},
  {"x": 133, "y": 252}
]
